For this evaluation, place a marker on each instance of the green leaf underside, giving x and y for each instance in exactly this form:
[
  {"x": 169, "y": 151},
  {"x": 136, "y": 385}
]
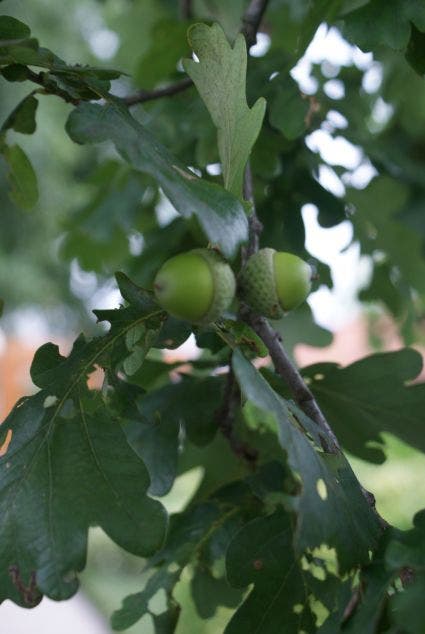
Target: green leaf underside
[
  {"x": 220, "y": 77},
  {"x": 69, "y": 466},
  {"x": 220, "y": 214},
  {"x": 343, "y": 519}
]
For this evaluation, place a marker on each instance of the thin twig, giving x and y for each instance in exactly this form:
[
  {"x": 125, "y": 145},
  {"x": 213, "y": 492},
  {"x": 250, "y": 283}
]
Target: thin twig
[
  {"x": 251, "y": 20},
  {"x": 186, "y": 9},
  {"x": 225, "y": 417},
  {"x": 293, "y": 379},
  {"x": 166, "y": 91},
  {"x": 255, "y": 227}
]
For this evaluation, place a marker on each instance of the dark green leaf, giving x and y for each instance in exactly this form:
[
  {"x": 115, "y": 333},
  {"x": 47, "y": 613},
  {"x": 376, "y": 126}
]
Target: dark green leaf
[
  {"x": 339, "y": 515},
  {"x": 12, "y": 29},
  {"x": 69, "y": 466},
  {"x": 380, "y": 22},
  {"x": 288, "y": 110},
  {"x": 160, "y": 61},
  {"x": 15, "y": 72},
  {"x": 22, "y": 118},
  {"x": 262, "y": 553},
  {"x": 186, "y": 533},
  {"x": 369, "y": 397},
  {"x": 415, "y": 53},
  {"x": 222, "y": 217}
]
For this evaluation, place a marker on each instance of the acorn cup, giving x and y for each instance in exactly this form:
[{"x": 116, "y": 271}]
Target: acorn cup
[
  {"x": 274, "y": 282},
  {"x": 197, "y": 286}
]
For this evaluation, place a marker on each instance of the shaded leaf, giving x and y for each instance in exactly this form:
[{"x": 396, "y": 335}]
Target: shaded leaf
[
  {"x": 21, "y": 176},
  {"x": 262, "y": 553},
  {"x": 339, "y": 516},
  {"x": 372, "y": 396},
  {"x": 22, "y": 118},
  {"x": 69, "y": 466},
  {"x": 220, "y": 214},
  {"x": 381, "y": 23},
  {"x": 288, "y": 110},
  {"x": 12, "y": 29}
]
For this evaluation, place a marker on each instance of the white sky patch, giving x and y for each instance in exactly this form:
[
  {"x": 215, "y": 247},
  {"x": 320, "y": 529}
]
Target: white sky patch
[
  {"x": 135, "y": 243},
  {"x": 372, "y": 79},
  {"x": 104, "y": 43},
  {"x": 333, "y": 308},
  {"x": 361, "y": 176},
  {"x": 106, "y": 297},
  {"x": 328, "y": 69},
  {"x": 334, "y": 150},
  {"x": 382, "y": 112},
  {"x": 330, "y": 180},
  {"x": 214, "y": 169},
  {"x": 336, "y": 119},
  {"x": 361, "y": 60},
  {"x": 262, "y": 45},
  {"x": 328, "y": 44},
  {"x": 83, "y": 283},
  {"x": 302, "y": 75},
  {"x": 335, "y": 89},
  {"x": 165, "y": 211}
]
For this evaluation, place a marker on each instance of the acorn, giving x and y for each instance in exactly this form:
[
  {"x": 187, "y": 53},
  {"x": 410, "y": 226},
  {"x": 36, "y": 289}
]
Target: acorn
[
  {"x": 275, "y": 282},
  {"x": 197, "y": 286}
]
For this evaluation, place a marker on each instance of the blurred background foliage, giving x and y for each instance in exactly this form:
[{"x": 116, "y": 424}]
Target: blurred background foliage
[
  {"x": 344, "y": 132},
  {"x": 96, "y": 215}
]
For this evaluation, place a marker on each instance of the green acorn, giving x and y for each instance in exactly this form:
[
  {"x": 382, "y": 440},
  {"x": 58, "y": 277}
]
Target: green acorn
[
  {"x": 274, "y": 282},
  {"x": 196, "y": 286}
]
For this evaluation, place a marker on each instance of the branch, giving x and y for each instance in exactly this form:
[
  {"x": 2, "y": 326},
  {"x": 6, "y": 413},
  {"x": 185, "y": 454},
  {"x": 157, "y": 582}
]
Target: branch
[
  {"x": 186, "y": 9},
  {"x": 255, "y": 227},
  {"x": 251, "y": 20},
  {"x": 50, "y": 87},
  {"x": 293, "y": 379},
  {"x": 225, "y": 417},
  {"x": 167, "y": 91}
]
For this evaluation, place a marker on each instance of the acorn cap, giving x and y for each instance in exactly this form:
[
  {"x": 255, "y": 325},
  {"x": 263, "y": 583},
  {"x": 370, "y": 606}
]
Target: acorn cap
[
  {"x": 224, "y": 284},
  {"x": 274, "y": 282},
  {"x": 258, "y": 286}
]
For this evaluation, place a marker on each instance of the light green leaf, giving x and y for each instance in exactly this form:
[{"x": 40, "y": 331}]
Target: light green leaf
[
  {"x": 21, "y": 176},
  {"x": 220, "y": 77}
]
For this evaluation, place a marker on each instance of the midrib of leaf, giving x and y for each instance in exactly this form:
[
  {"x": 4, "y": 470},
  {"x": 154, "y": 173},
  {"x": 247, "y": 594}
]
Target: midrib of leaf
[{"x": 67, "y": 392}]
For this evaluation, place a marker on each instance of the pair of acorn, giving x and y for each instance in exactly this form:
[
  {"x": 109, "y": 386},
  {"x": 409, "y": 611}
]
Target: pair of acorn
[{"x": 199, "y": 285}]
